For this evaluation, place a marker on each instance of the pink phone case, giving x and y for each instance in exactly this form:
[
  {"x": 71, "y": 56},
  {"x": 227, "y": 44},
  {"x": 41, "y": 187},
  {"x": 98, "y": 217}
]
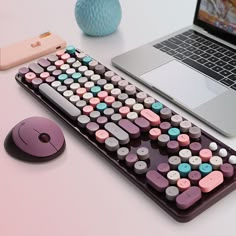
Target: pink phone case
[{"x": 29, "y": 49}]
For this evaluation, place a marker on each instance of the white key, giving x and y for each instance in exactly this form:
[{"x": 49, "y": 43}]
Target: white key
[
  {"x": 223, "y": 152},
  {"x": 56, "y": 84},
  {"x": 173, "y": 176},
  {"x": 67, "y": 94},
  {"x": 130, "y": 102},
  {"x": 140, "y": 167},
  {"x": 88, "y": 73},
  {"x": 138, "y": 107},
  {"x": 95, "y": 78},
  {"x": 132, "y": 116},
  {"x": 87, "y": 96},
  {"x": 141, "y": 96},
  {"x": 88, "y": 85},
  {"x": 148, "y": 102},
  {"x": 232, "y": 159},
  {"x": 216, "y": 162},
  {"x": 108, "y": 87},
  {"x": 115, "y": 92},
  {"x": 82, "y": 69},
  {"x": 213, "y": 146},
  {"x": 185, "y": 154},
  {"x": 74, "y": 86},
  {"x": 195, "y": 162},
  {"x": 74, "y": 99}
]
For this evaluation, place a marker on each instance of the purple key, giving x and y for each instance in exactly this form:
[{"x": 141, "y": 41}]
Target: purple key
[
  {"x": 195, "y": 148},
  {"x": 43, "y": 62},
  {"x": 132, "y": 129},
  {"x": 194, "y": 177},
  {"x": 23, "y": 70},
  {"x": 227, "y": 170},
  {"x": 131, "y": 159},
  {"x": 173, "y": 147},
  {"x": 53, "y": 58},
  {"x": 92, "y": 127},
  {"x": 164, "y": 127},
  {"x": 157, "y": 181},
  {"x": 102, "y": 120},
  {"x": 37, "y": 69},
  {"x": 56, "y": 73},
  {"x": 188, "y": 197},
  {"x": 163, "y": 168},
  {"x": 143, "y": 124}
]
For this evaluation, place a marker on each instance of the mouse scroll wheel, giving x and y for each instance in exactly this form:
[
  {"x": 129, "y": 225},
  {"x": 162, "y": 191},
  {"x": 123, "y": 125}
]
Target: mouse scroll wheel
[{"x": 44, "y": 138}]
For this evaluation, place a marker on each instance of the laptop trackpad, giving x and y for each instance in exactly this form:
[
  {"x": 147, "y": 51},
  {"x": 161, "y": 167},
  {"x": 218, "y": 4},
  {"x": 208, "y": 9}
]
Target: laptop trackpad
[{"x": 185, "y": 85}]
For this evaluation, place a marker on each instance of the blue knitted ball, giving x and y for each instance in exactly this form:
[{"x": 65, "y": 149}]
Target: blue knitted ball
[{"x": 98, "y": 17}]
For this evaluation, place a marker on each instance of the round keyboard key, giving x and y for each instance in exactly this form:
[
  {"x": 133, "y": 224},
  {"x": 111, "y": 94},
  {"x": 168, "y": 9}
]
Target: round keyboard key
[
  {"x": 131, "y": 159},
  {"x": 74, "y": 87},
  {"x": 62, "y": 77},
  {"x": 50, "y": 79},
  {"x": 130, "y": 89},
  {"x": 116, "y": 118},
  {"x": 112, "y": 144},
  {"x": 183, "y": 184},
  {"x": 80, "y": 56},
  {"x": 154, "y": 133},
  {"x": 165, "y": 113},
  {"x": 116, "y": 106},
  {"x": 94, "y": 115},
  {"x": 56, "y": 84},
  {"x": 88, "y": 85},
  {"x": 194, "y": 132},
  {"x": 184, "y": 169},
  {"x": 108, "y": 75},
  {"x": 195, "y": 148},
  {"x": 115, "y": 92},
  {"x": 82, "y": 69},
  {"x": 81, "y": 91},
  {"x": 68, "y": 82},
  {"x": 109, "y": 100},
  {"x": 82, "y": 81},
  {"x": 115, "y": 79},
  {"x": 157, "y": 181},
  {"x": 102, "y": 120},
  {"x": 185, "y": 154},
  {"x": 176, "y": 120},
  {"x": 122, "y": 153},
  {"x": 65, "y": 56},
  {"x": 213, "y": 146},
  {"x": 232, "y": 159},
  {"x": 76, "y": 65},
  {"x": 124, "y": 111},
  {"x": 141, "y": 96},
  {"x": 205, "y": 168},
  {"x": 83, "y": 120},
  {"x": 64, "y": 67},
  {"x": 174, "y": 161},
  {"x": 92, "y": 64},
  {"x": 130, "y": 102},
  {"x": 108, "y": 112},
  {"x": 140, "y": 167},
  {"x": 163, "y": 139},
  {"x": 101, "y": 107},
  {"x": 87, "y": 96},
  {"x": 188, "y": 198},
  {"x": 61, "y": 89},
  {"x": 171, "y": 193},
  {"x": 108, "y": 87},
  {"x": 100, "y": 69},
  {"x": 91, "y": 128},
  {"x": 50, "y": 69},
  {"x": 88, "y": 74},
  {"x": 164, "y": 127},
  {"x": 86, "y": 60},
  {"x": 156, "y": 107},
  {"x": 70, "y": 49},
  {"x": 205, "y": 154},
  {"x": 227, "y": 170},
  {"x": 30, "y": 76},
  {"x": 101, "y": 82},
  {"x": 80, "y": 104},
  {"x": 138, "y": 107},
  {"x": 132, "y": 116},
  {"x": 223, "y": 152},
  {"x": 143, "y": 153},
  {"x": 163, "y": 168},
  {"x": 59, "y": 53},
  {"x": 216, "y": 162},
  {"x": 71, "y": 61},
  {"x": 95, "y": 90},
  {"x": 148, "y": 101},
  {"x": 173, "y": 176},
  {"x": 101, "y": 135},
  {"x": 74, "y": 99},
  {"x": 172, "y": 147},
  {"x": 173, "y": 132},
  {"x": 194, "y": 177},
  {"x": 94, "y": 101},
  {"x": 59, "y": 63},
  {"x": 183, "y": 140},
  {"x": 195, "y": 162},
  {"x": 143, "y": 124},
  {"x": 102, "y": 95},
  {"x": 87, "y": 110},
  {"x": 122, "y": 84},
  {"x": 185, "y": 126},
  {"x": 211, "y": 181},
  {"x": 23, "y": 70},
  {"x": 95, "y": 78},
  {"x": 36, "y": 82},
  {"x": 122, "y": 97},
  {"x": 67, "y": 94},
  {"x": 44, "y": 75}
]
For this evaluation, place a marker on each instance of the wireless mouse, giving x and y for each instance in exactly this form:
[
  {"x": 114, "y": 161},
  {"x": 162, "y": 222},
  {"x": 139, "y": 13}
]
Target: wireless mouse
[{"x": 35, "y": 139}]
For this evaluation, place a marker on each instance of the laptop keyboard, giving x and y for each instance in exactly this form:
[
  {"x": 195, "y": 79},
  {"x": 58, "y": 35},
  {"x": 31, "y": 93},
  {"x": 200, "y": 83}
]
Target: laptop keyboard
[{"x": 204, "y": 54}]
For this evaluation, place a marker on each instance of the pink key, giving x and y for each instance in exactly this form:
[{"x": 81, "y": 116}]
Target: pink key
[
  {"x": 30, "y": 76},
  {"x": 109, "y": 100},
  {"x": 44, "y": 75},
  {"x": 102, "y": 95},
  {"x": 59, "y": 53},
  {"x": 183, "y": 140},
  {"x": 205, "y": 154},
  {"x": 152, "y": 117},
  {"x": 94, "y": 101},
  {"x": 81, "y": 91},
  {"x": 154, "y": 133},
  {"x": 87, "y": 110},
  {"x": 124, "y": 111},
  {"x": 65, "y": 56},
  {"x": 183, "y": 184},
  {"x": 59, "y": 63},
  {"x": 101, "y": 135}
]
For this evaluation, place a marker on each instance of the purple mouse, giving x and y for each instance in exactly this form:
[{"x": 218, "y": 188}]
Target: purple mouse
[{"x": 35, "y": 139}]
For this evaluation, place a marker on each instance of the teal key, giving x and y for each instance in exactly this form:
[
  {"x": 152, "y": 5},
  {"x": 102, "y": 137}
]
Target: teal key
[
  {"x": 157, "y": 106},
  {"x": 95, "y": 90},
  {"x": 86, "y": 60},
  {"x": 184, "y": 169},
  {"x": 205, "y": 168},
  {"x": 101, "y": 106},
  {"x": 174, "y": 133},
  {"x": 62, "y": 77},
  {"x": 70, "y": 49},
  {"x": 76, "y": 76}
]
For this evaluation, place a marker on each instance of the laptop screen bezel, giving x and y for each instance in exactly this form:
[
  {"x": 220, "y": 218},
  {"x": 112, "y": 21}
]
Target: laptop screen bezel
[{"x": 212, "y": 29}]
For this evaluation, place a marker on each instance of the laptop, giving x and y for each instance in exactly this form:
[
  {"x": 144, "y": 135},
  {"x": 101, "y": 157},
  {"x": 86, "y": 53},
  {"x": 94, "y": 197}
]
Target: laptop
[{"x": 194, "y": 67}]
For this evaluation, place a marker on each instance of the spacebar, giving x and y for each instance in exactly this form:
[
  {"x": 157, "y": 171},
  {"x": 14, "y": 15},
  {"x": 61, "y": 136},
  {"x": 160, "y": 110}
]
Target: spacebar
[
  {"x": 203, "y": 69},
  {"x": 59, "y": 101}
]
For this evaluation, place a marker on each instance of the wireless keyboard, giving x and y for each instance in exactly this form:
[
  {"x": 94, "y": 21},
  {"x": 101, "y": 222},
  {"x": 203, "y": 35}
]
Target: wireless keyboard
[{"x": 181, "y": 167}]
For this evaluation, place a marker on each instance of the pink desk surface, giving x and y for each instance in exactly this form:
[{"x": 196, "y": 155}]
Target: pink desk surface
[{"x": 80, "y": 193}]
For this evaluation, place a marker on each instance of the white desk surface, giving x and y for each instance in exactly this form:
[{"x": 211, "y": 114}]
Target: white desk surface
[{"x": 80, "y": 193}]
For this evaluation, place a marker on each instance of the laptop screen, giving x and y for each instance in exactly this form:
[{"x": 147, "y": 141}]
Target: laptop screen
[{"x": 219, "y": 13}]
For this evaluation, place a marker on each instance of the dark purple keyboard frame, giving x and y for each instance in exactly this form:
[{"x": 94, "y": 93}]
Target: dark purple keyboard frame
[{"x": 207, "y": 200}]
